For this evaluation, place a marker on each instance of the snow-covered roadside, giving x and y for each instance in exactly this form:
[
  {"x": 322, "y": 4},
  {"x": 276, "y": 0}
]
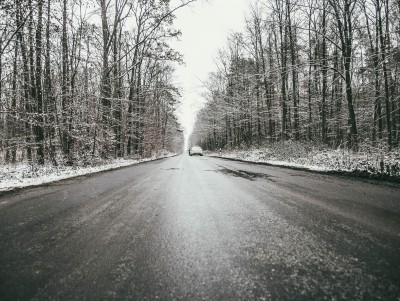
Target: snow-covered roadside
[
  {"x": 384, "y": 165},
  {"x": 24, "y": 175}
]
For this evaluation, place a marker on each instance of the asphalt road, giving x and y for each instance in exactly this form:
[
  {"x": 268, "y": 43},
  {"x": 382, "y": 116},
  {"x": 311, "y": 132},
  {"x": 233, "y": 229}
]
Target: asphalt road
[{"x": 200, "y": 228}]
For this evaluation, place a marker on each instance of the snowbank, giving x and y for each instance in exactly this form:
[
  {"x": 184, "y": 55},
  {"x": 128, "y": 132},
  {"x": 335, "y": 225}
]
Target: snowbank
[
  {"x": 24, "y": 175},
  {"x": 369, "y": 162}
]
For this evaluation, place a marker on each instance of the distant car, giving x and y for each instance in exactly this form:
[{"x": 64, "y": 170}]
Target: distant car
[{"x": 195, "y": 150}]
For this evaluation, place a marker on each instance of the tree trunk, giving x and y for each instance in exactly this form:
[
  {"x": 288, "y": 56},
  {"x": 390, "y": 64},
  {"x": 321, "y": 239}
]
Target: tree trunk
[
  {"x": 382, "y": 40},
  {"x": 39, "y": 90},
  {"x": 324, "y": 77},
  {"x": 65, "y": 97},
  {"x": 292, "y": 42},
  {"x": 344, "y": 24},
  {"x": 48, "y": 91}
]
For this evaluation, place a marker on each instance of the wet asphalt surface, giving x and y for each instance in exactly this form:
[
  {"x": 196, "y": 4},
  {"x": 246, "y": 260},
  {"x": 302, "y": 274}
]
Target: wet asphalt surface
[{"x": 200, "y": 228}]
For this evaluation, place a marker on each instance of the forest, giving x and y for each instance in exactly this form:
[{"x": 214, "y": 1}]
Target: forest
[
  {"x": 314, "y": 72},
  {"x": 83, "y": 81}
]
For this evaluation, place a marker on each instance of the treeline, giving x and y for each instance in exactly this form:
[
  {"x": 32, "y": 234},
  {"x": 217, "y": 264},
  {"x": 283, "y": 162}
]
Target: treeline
[
  {"x": 84, "y": 80},
  {"x": 316, "y": 71}
]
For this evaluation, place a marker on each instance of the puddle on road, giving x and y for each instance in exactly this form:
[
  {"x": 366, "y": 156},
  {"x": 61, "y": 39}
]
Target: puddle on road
[{"x": 248, "y": 175}]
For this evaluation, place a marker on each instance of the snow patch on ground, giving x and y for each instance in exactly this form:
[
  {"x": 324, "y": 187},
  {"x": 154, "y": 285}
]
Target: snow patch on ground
[
  {"x": 368, "y": 162},
  {"x": 24, "y": 175}
]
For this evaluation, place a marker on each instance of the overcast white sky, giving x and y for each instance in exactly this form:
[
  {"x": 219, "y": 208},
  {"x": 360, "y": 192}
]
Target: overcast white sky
[{"x": 205, "y": 27}]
